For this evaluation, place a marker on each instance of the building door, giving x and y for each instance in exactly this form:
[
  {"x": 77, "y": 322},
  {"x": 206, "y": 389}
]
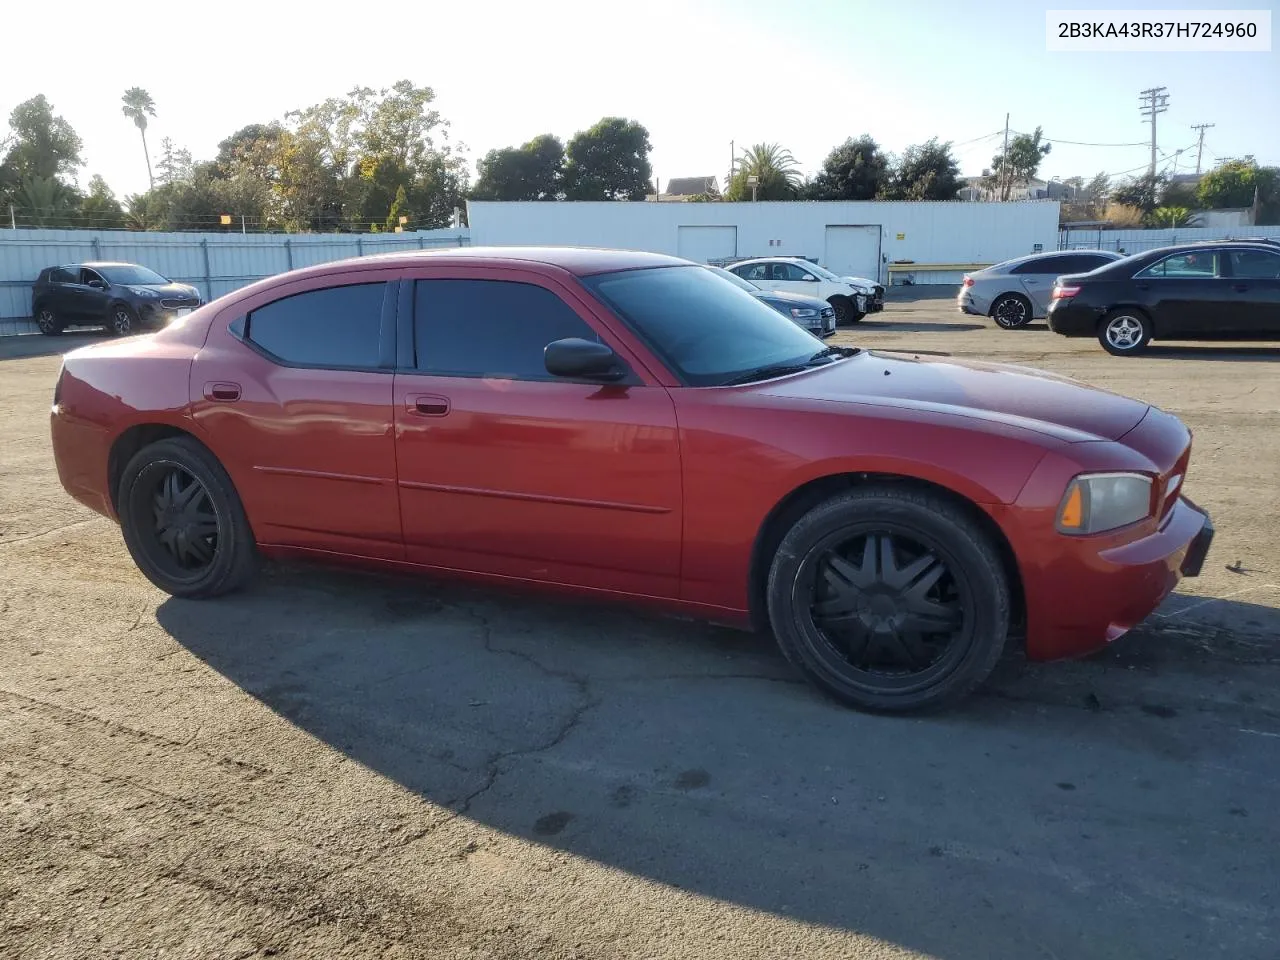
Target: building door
[{"x": 853, "y": 251}]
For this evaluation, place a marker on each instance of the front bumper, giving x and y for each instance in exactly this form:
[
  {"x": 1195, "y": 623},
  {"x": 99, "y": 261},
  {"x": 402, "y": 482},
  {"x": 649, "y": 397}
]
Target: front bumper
[
  {"x": 875, "y": 303},
  {"x": 1088, "y": 597},
  {"x": 157, "y": 313}
]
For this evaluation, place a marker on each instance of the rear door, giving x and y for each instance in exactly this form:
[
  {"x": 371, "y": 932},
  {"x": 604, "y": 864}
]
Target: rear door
[
  {"x": 294, "y": 395},
  {"x": 1255, "y": 283},
  {"x": 1036, "y": 279},
  {"x": 1190, "y": 296},
  {"x": 507, "y": 471},
  {"x": 757, "y": 273}
]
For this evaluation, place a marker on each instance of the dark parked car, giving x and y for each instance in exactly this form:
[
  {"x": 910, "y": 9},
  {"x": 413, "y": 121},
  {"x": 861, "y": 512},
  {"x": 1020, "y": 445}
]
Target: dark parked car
[
  {"x": 1201, "y": 291},
  {"x": 816, "y": 316},
  {"x": 630, "y": 426},
  {"x": 123, "y": 297}
]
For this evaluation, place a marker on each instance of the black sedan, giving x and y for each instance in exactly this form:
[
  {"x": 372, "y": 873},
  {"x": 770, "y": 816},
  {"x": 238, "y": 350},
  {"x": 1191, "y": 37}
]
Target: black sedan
[
  {"x": 123, "y": 297},
  {"x": 1202, "y": 291}
]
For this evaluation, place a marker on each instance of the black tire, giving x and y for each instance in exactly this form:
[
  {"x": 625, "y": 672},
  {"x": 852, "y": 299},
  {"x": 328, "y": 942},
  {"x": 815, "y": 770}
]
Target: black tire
[
  {"x": 204, "y": 547},
  {"x": 1124, "y": 332},
  {"x": 48, "y": 322},
  {"x": 1011, "y": 311},
  {"x": 846, "y": 310},
  {"x": 122, "y": 320},
  {"x": 967, "y": 599}
]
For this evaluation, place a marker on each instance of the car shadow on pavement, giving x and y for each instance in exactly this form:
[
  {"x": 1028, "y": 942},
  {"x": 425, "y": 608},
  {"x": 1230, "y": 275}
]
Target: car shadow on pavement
[
  {"x": 692, "y": 756},
  {"x": 36, "y": 345},
  {"x": 1218, "y": 351},
  {"x": 912, "y": 326}
]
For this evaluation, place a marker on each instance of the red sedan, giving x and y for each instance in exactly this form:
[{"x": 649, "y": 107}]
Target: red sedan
[{"x": 632, "y": 426}]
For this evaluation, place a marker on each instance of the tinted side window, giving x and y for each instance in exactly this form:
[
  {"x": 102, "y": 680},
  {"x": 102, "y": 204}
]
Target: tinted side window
[
  {"x": 331, "y": 327},
  {"x": 1080, "y": 263},
  {"x": 1195, "y": 265},
  {"x": 757, "y": 271},
  {"x": 1255, "y": 265},
  {"x": 88, "y": 276},
  {"x": 789, "y": 271},
  {"x": 1042, "y": 265},
  {"x": 64, "y": 275},
  {"x": 490, "y": 328}
]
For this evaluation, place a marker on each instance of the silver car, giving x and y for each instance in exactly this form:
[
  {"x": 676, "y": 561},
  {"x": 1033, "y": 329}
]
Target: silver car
[{"x": 1017, "y": 291}]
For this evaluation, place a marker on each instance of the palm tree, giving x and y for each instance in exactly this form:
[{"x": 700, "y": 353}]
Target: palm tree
[
  {"x": 138, "y": 105},
  {"x": 774, "y": 168}
]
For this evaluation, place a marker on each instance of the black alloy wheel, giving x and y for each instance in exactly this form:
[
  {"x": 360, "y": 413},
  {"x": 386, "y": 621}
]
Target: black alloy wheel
[
  {"x": 1011, "y": 311},
  {"x": 890, "y": 599},
  {"x": 183, "y": 522}
]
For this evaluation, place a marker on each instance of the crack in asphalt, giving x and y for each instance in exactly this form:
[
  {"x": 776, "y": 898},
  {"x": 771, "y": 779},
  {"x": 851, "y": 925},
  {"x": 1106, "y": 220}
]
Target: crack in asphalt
[{"x": 51, "y": 530}]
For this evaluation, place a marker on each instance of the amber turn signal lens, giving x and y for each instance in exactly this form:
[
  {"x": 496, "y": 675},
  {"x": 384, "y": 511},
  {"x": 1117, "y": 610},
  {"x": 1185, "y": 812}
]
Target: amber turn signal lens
[{"x": 1072, "y": 516}]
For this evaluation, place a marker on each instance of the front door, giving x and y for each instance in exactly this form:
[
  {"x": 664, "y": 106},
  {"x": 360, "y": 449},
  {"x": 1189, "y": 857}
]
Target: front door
[
  {"x": 1255, "y": 284},
  {"x": 294, "y": 396},
  {"x": 794, "y": 278},
  {"x": 1191, "y": 297},
  {"x": 508, "y": 471}
]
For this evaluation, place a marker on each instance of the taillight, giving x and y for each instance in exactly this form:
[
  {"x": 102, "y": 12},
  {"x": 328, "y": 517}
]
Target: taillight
[
  {"x": 968, "y": 281},
  {"x": 1063, "y": 293}
]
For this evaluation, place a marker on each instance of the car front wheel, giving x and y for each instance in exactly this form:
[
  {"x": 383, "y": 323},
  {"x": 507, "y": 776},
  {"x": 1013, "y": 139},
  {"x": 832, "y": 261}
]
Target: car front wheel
[
  {"x": 846, "y": 310},
  {"x": 122, "y": 320},
  {"x": 1123, "y": 333},
  {"x": 183, "y": 521},
  {"x": 890, "y": 599}
]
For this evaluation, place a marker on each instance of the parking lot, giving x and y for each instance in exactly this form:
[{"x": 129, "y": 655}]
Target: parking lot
[{"x": 333, "y": 764}]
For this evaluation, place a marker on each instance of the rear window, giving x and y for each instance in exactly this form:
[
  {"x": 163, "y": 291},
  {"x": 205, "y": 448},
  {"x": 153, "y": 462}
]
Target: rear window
[{"x": 335, "y": 327}]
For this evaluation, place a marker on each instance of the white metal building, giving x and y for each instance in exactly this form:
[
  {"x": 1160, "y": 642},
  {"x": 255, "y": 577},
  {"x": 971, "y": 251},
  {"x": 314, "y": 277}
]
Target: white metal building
[{"x": 941, "y": 240}]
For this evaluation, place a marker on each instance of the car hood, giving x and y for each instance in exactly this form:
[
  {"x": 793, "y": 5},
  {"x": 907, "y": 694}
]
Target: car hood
[
  {"x": 1018, "y": 396},
  {"x": 861, "y": 281},
  {"x": 167, "y": 289},
  {"x": 798, "y": 299}
]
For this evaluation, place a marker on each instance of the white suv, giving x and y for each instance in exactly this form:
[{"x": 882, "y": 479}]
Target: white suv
[{"x": 851, "y": 297}]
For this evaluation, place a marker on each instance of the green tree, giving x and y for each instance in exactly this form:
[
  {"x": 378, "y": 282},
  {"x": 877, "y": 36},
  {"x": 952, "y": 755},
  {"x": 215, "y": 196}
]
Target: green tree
[
  {"x": 101, "y": 210},
  {"x": 137, "y": 106},
  {"x": 776, "y": 172},
  {"x": 175, "y": 162},
  {"x": 1236, "y": 183},
  {"x": 42, "y": 146},
  {"x": 1019, "y": 165},
  {"x": 1166, "y": 216},
  {"x": 533, "y": 171},
  {"x": 855, "y": 170},
  {"x": 47, "y": 202},
  {"x": 609, "y": 161},
  {"x": 1142, "y": 193},
  {"x": 925, "y": 171}
]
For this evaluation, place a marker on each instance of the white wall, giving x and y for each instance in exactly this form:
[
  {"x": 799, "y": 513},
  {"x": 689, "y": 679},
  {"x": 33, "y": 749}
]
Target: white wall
[{"x": 930, "y": 232}]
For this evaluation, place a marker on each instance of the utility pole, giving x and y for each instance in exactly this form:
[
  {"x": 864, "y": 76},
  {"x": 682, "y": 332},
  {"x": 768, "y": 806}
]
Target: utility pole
[
  {"x": 1154, "y": 102},
  {"x": 733, "y": 164},
  {"x": 13, "y": 221},
  {"x": 1004, "y": 158},
  {"x": 1202, "y": 127}
]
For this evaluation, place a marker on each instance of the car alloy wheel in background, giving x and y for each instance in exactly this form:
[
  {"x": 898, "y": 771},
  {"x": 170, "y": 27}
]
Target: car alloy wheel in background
[
  {"x": 1011, "y": 312},
  {"x": 122, "y": 320},
  {"x": 48, "y": 323},
  {"x": 1124, "y": 333}
]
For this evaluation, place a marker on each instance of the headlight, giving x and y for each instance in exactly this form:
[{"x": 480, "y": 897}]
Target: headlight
[
  {"x": 143, "y": 292},
  {"x": 803, "y": 313},
  {"x": 1095, "y": 503}
]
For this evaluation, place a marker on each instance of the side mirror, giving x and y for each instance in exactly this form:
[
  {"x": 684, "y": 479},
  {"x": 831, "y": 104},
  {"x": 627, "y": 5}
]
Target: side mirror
[
  {"x": 583, "y": 359},
  {"x": 98, "y": 284},
  {"x": 810, "y": 276}
]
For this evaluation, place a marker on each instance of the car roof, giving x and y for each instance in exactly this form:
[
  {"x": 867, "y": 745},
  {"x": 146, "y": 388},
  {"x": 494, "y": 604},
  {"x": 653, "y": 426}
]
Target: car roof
[
  {"x": 1207, "y": 245},
  {"x": 582, "y": 261}
]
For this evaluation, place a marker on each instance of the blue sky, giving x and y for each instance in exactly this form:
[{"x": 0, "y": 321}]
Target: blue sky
[{"x": 698, "y": 74}]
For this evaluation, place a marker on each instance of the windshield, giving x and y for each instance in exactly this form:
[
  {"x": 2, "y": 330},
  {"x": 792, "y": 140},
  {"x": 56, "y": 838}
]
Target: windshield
[
  {"x": 709, "y": 331},
  {"x": 736, "y": 280},
  {"x": 128, "y": 273},
  {"x": 823, "y": 272}
]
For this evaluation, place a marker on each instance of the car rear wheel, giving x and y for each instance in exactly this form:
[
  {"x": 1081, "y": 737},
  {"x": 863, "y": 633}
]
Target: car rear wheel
[
  {"x": 1011, "y": 311},
  {"x": 890, "y": 599},
  {"x": 122, "y": 320},
  {"x": 183, "y": 521},
  {"x": 1124, "y": 332},
  {"x": 48, "y": 323}
]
